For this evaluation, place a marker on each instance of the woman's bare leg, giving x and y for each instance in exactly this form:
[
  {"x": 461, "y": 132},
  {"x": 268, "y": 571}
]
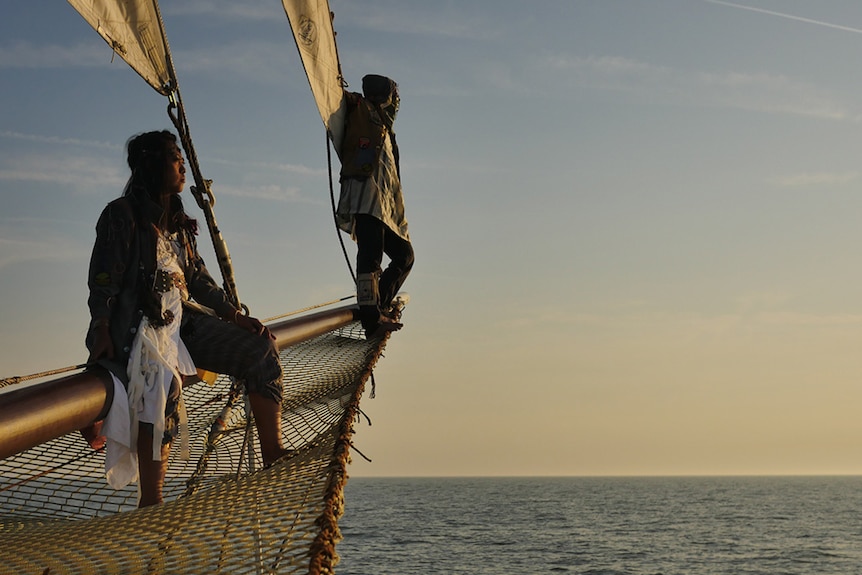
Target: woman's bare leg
[
  {"x": 267, "y": 419},
  {"x": 151, "y": 473}
]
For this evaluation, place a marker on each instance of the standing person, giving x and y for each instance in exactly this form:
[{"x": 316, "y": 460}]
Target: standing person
[
  {"x": 144, "y": 269},
  {"x": 371, "y": 205}
]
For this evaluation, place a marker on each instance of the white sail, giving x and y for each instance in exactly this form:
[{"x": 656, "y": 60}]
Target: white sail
[
  {"x": 133, "y": 29},
  {"x": 311, "y": 22}
]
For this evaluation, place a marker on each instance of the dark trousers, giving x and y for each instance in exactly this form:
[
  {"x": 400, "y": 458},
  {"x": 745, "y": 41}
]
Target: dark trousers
[
  {"x": 373, "y": 239},
  {"x": 223, "y": 347}
]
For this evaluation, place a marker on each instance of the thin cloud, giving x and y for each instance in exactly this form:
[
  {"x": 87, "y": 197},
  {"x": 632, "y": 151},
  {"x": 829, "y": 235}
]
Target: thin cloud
[
  {"x": 681, "y": 325},
  {"x": 763, "y": 300},
  {"x": 91, "y": 174},
  {"x": 264, "y": 192},
  {"x": 59, "y": 140},
  {"x": 297, "y": 169},
  {"x": 46, "y": 248},
  {"x": 261, "y": 62},
  {"x": 26, "y": 55},
  {"x": 797, "y": 319},
  {"x": 787, "y": 16},
  {"x": 814, "y": 179},
  {"x": 85, "y": 174},
  {"x": 431, "y": 19},
  {"x": 228, "y": 10},
  {"x": 770, "y": 93},
  {"x": 611, "y": 72}
]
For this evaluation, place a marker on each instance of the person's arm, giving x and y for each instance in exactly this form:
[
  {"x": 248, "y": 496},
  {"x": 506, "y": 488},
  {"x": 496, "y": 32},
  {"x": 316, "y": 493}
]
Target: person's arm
[
  {"x": 105, "y": 277},
  {"x": 105, "y": 281},
  {"x": 205, "y": 291}
]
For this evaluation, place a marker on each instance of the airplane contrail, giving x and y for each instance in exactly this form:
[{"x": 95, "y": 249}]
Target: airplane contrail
[{"x": 788, "y": 16}]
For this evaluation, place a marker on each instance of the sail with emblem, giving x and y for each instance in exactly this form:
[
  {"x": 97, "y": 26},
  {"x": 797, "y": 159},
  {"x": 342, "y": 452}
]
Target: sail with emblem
[
  {"x": 311, "y": 23},
  {"x": 134, "y": 31}
]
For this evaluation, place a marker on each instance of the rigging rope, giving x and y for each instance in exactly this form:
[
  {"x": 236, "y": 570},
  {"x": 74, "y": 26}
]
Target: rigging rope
[
  {"x": 205, "y": 199},
  {"x": 201, "y": 191},
  {"x": 373, "y": 393},
  {"x": 19, "y": 378},
  {"x": 334, "y": 210},
  {"x": 309, "y": 308}
]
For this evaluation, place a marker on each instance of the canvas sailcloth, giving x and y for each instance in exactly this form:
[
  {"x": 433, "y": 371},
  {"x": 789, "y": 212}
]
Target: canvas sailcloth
[
  {"x": 311, "y": 22},
  {"x": 133, "y": 29}
]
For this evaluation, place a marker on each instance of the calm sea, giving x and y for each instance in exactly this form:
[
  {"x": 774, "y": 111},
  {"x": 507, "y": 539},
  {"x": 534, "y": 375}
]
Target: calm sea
[{"x": 603, "y": 526}]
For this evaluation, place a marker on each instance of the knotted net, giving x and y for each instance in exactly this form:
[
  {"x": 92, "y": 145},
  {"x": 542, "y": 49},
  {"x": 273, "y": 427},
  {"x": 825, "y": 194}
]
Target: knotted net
[{"x": 223, "y": 513}]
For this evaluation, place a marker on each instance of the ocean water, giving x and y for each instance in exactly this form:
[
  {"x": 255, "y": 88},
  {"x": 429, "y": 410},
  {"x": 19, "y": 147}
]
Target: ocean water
[{"x": 603, "y": 526}]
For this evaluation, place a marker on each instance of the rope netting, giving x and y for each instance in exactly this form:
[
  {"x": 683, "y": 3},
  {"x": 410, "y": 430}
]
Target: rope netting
[{"x": 223, "y": 512}]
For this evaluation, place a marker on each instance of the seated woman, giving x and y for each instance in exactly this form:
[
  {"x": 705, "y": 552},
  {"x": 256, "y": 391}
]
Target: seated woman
[{"x": 144, "y": 266}]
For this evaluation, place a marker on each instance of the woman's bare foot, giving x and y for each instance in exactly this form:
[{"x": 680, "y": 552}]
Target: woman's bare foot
[{"x": 93, "y": 435}]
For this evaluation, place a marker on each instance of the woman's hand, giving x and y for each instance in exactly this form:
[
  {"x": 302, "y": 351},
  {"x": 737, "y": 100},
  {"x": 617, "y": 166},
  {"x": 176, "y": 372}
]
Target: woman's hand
[
  {"x": 252, "y": 324},
  {"x": 103, "y": 347}
]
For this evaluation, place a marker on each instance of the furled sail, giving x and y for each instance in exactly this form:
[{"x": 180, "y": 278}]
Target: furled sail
[
  {"x": 311, "y": 22},
  {"x": 133, "y": 29}
]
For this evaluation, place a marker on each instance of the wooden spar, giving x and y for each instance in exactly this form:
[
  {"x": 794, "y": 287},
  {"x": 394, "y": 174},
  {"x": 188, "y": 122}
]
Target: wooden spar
[
  {"x": 292, "y": 331},
  {"x": 44, "y": 411}
]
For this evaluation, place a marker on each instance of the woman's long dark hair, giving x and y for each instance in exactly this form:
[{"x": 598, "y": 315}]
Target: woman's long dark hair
[{"x": 148, "y": 157}]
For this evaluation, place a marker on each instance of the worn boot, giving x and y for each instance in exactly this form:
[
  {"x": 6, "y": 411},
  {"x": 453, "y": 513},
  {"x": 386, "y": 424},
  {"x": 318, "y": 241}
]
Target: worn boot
[
  {"x": 368, "y": 300},
  {"x": 368, "y": 297}
]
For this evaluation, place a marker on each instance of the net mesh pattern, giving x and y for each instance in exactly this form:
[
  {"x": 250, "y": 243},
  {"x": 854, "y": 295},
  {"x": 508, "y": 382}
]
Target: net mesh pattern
[{"x": 223, "y": 512}]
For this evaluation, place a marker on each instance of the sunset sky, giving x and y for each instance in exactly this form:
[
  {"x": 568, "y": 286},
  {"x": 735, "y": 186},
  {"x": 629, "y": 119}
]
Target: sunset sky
[{"x": 636, "y": 222}]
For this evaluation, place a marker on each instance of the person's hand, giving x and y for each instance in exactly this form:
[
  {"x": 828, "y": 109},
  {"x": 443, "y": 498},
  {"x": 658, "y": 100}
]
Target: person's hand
[
  {"x": 253, "y": 325},
  {"x": 103, "y": 347}
]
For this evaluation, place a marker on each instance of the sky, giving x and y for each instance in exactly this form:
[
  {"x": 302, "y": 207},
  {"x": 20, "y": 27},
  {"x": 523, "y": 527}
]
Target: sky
[{"x": 635, "y": 221}]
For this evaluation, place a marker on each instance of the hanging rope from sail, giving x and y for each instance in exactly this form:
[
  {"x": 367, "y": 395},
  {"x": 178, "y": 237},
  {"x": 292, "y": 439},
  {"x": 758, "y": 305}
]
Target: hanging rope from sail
[{"x": 202, "y": 192}]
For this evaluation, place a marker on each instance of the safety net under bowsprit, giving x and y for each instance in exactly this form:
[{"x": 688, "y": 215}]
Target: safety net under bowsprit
[{"x": 223, "y": 512}]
